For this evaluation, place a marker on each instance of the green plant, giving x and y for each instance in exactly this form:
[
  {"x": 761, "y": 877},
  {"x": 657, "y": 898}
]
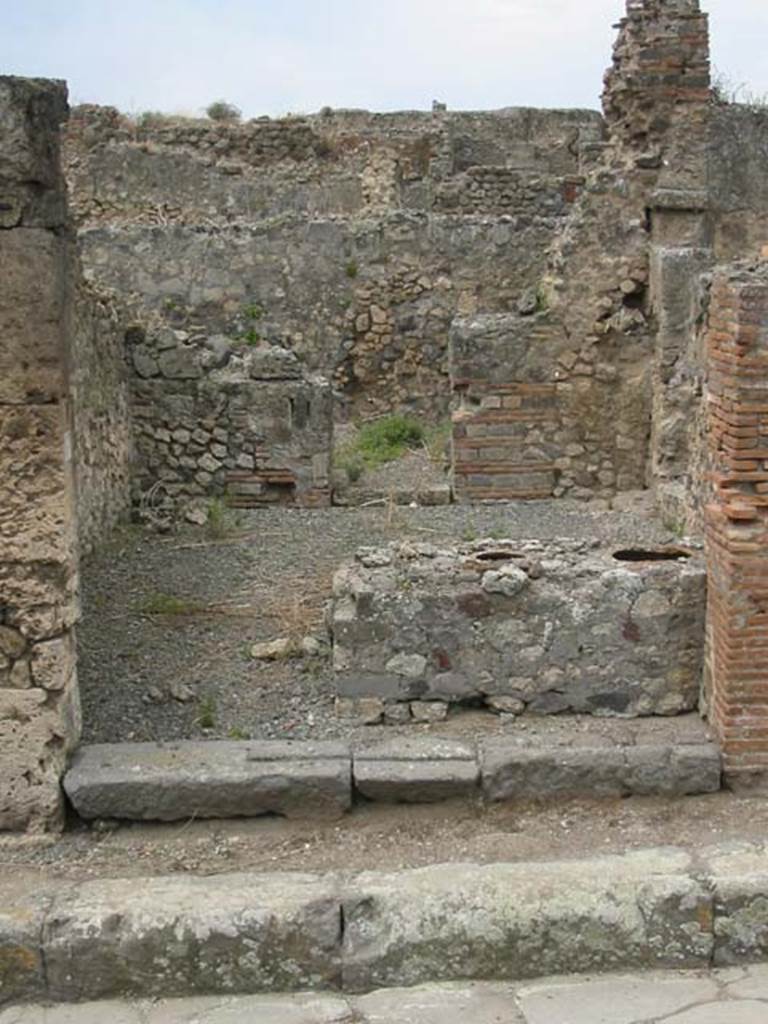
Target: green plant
[
  {"x": 251, "y": 337},
  {"x": 387, "y": 439},
  {"x": 238, "y": 734},
  {"x": 220, "y": 110},
  {"x": 676, "y": 527},
  {"x": 436, "y": 440},
  {"x": 160, "y": 603},
  {"x": 221, "y": 520},
  {"x": 254, "y": 311},
  {"x": 542, "y": 299},
  {"x": 469, "y": 534},
  {"x": 151, "y": 119},
  {"x": 352, "y": 269},
  {"x": 206, "y": 713},
  {"x": 348, "y": 460}
]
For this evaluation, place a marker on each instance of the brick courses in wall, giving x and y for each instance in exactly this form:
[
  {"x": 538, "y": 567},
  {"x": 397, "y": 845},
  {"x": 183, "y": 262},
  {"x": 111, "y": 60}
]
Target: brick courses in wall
[
  {"x": 737, "y": 518},
  {"x": 507, "y": 432}
]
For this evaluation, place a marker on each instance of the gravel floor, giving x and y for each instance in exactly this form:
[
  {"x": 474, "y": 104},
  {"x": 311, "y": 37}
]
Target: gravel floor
[{"x": 149, "y": 675}]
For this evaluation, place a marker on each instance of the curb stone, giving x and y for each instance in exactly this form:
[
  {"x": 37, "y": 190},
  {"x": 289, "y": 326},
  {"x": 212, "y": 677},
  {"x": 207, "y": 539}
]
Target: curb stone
[{"x": 253, "y": 933}]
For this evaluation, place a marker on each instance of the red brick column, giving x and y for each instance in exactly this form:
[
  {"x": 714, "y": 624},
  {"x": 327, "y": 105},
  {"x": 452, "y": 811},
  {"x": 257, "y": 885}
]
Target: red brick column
[{"x": 737, "y": 519}]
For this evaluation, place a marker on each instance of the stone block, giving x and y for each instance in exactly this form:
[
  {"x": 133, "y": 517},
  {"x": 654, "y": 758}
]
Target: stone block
[
  {"x": 563, "y": 626},
  {"x": 674, "y": 770},
  {"x": 511, "y": 771},
  {"x": 515, "y": 921},
  {"x": 31, "y": 183},
  {"x": 22, "y": 971},
  {"x": 186, "y": 935},
  {"x": 36, "y": 512},
  {"x": 212, "y": 779},
  {"x": 32, "y": 310},
  {"x": 739, "y": 880},
  {"x": 37, "y": 731},
  {"x": 416, "y": 770}
]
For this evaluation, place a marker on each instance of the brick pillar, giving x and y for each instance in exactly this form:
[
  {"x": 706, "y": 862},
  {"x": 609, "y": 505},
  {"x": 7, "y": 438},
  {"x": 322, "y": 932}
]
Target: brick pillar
[
  {"x": 39, "y": 710},
  {"x": 737, "y": 520}
]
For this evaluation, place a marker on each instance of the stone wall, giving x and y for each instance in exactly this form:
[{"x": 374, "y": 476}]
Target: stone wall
[
  {"x": 360, "y": 236},
  {"x": 227, "y": 416},
  {"x": 103, "y": 430},
  {"x": 39, "y": 708},
  {"x": 522, "y": 626},
  {"x": 738, "y": 179}
]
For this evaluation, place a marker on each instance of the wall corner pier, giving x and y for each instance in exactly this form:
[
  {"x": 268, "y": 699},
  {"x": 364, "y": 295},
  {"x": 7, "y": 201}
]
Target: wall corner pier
[
  {"x": 736, "y": 677},
  {"x": 39, "y": 708}
]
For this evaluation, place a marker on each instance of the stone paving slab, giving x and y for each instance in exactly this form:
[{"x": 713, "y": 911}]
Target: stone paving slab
[{"x": 715, "y": 997}]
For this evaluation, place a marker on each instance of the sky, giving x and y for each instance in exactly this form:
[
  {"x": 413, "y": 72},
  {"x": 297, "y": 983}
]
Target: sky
[{"x": 296, "y": 56}]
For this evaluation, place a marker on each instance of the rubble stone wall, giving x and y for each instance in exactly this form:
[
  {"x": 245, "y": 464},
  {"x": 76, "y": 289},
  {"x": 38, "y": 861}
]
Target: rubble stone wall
[
  {"x": 39, "y": 708},
  {"x": 546, "y": 628},
  {"x": 360, "y": 235},
  {"x": 224, "y": 416}
]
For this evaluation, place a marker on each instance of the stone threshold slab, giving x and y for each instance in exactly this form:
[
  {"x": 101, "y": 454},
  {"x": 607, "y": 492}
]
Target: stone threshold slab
[
  {"x": 320, "y": 779},
  {"x": 210, "y": 779},
  {"x": 185, "y": 935}
]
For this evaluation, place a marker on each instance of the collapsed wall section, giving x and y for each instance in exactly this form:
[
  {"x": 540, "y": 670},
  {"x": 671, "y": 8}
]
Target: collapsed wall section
[{"x": 39, "y": 709}]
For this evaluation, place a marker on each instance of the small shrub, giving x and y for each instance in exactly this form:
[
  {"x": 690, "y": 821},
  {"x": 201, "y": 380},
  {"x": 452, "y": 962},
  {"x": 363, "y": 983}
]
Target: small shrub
[
  {"x": 253, "y": 312},
  {"x": 252, "y": 337},
  {"x": 221, "y": 519},
  {"x": 236, "y": 733},
  {"x": 206, "y": 713},
  {"x": 387, "y": 439},
  {"x": 437, "y": 439},
  {"x": 220, "y": 110},
  {"x": 348, "y": 460},
  {"x": 151, "y": 119},
  {"x": 352, "y": 269},
  {"x": 167, "y": 604}
]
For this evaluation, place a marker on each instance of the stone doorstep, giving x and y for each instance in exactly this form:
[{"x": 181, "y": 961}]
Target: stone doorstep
[
  {"x": 210, "y": 779},
  {"x": 319, "y": 779},
  {"x": 185, "y": 935}
]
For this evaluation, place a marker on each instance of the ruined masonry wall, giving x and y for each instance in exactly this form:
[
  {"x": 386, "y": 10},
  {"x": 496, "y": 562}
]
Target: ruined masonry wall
[
  {"x": 39, "y": 709},
  {"x": 360, "y": 236},
  {"x": 521, "y": 626},
  {"x": 217, "y": 415},
  {"x": 101, "y": 411}
]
